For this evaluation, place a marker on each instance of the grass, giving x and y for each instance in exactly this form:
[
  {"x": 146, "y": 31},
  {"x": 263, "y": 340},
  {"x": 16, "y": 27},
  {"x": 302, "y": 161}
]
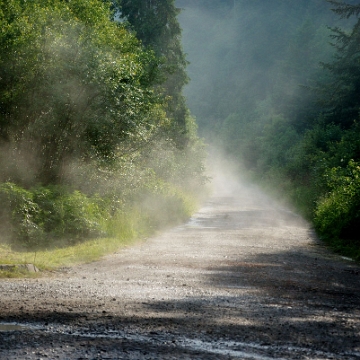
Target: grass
[
  {"x": 47, "y": 260},
  {"x": 157, "y": 211},
  {"x": 345, "y": 247},
  {"x": 127, "y": 229}
]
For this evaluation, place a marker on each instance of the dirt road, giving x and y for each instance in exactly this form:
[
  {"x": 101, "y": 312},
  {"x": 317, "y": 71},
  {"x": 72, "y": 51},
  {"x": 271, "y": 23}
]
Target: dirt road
[{"x": 238, "y": 281}]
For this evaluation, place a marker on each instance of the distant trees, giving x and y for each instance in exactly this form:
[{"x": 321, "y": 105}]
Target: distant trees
[
  {"x": 342, "y": 94},
  {"x": 284, "y": 102},
  {"x": 337, "y": 215}
]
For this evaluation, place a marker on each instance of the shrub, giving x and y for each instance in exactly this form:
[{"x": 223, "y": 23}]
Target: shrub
[
  {"x": 18, "y": 215},
  {"x": 56, "y": 216},
  {"x": 35, "y": 218},
  {"x": 338, "y": 213},
  {"x": 67, "y": 213}
]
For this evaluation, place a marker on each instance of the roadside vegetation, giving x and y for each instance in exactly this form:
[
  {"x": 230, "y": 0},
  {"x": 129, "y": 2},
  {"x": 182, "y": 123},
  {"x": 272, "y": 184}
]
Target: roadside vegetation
[
  {"x": 97, "y": 146},
  {"x": 283, "y": 100}
]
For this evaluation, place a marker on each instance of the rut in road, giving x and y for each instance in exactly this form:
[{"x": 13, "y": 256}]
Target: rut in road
[{"x": 243, "y": 278}]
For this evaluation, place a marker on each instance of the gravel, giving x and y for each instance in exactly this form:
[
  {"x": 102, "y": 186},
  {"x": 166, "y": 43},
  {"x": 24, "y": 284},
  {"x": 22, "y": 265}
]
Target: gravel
[{"x": 238, "y": 281}]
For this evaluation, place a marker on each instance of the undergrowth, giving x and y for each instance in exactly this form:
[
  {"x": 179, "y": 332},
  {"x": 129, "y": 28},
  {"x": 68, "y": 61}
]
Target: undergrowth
[
  {"x": 56, "y": 226},
  {"x": 333, "y": 210},
  {"x": 337, "y": 215}
]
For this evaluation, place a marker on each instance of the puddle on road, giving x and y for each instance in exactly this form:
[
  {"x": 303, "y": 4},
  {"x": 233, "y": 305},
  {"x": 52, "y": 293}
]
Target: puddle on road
[{"x": 198, "y": 223}]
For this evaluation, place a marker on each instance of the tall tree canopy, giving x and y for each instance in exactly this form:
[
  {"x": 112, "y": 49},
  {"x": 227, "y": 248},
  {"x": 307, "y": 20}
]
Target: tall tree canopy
[
  {"x": 155, "y": 24},
  {"x": 73, "y": 84},
  {"x": 93, "y": 125},
  {"x": 342, "y": 93}
]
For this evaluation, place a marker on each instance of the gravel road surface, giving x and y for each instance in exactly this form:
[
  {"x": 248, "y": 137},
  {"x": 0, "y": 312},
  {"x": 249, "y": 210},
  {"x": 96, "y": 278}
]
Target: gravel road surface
[{"x": 238, "y": 281}]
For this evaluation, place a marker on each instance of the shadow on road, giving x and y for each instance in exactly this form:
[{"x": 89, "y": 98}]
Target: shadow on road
[
  {"x": 284, "y": 297},
  {"x": 281, "y": 297},
  {"x": 287, "y": 298}
]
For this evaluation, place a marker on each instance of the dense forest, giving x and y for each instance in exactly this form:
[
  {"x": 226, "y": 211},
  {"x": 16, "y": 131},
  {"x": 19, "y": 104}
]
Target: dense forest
[
  {"x": 276, "y": 84},
  {"x": 95, "y": 136}
]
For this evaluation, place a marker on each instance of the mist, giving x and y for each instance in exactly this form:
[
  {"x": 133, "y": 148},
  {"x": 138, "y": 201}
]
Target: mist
[
  {"x": 252, "y": 67},
  {"x": 93, "y": 112},
  {"x": 237, "y": 51},
  {"x": 88, "y": 145}
]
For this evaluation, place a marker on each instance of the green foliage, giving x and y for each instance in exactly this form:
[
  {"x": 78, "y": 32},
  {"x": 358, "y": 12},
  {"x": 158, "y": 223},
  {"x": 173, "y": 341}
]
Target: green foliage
[
  {"x": 18, "y": 214},
  {"x": 38, "y": 216},
  {"x": 276, "y": 143},
  {"x": 68, "y": 213},
  {"x": 54, "y": 216},
  {"x": 273, "y": 91},
  {"x": 148, "y": 189},
  {"x": 72, "y": 85},
  {"x": 338, "y": 213},
  {"x": 341, "y": 205},
  {"x": 340, "y": 93},
  {"x": 95, "y": 136},
  {"x": 155, "y": 24}
]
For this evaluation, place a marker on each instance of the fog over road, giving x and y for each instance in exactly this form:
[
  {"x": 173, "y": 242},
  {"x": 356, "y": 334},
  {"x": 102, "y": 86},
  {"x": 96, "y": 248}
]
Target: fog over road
[{"x": 243, "y": 279}]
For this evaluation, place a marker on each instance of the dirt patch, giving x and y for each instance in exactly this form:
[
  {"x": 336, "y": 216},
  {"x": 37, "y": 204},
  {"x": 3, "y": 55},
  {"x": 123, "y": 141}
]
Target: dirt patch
[{"x": 238, "y": 281}]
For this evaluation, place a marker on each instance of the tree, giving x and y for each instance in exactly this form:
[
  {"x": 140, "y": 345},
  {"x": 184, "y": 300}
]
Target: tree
[
  {"x": 345, "y": 10},
  {"x": 155, "y": 24},
  {"x": 73, "y": 85},
  {"x": 341, "y": 95}
]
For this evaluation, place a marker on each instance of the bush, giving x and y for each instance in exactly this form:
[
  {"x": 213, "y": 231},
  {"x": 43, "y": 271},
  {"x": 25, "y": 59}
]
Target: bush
[
  {"x": 35, "y": 218},
  {"x": 67, "y": 213},
  {"x": 56, "y": 216},
  {"x": 338, "y": 213},
  {"x": 18, "y": 215}
]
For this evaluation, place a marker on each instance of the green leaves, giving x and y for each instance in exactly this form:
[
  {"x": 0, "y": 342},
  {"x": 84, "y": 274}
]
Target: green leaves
[
  {"x": 340, "y": 93},
  {"x": 156, "y": 25},
  {"x": 34, "y": 218},
  {"x": 18, "y": 214},
  {"x": 75, "y": 84},
  {"x": 338, "y": 212},
  {"x": 82, "y": 108}
]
